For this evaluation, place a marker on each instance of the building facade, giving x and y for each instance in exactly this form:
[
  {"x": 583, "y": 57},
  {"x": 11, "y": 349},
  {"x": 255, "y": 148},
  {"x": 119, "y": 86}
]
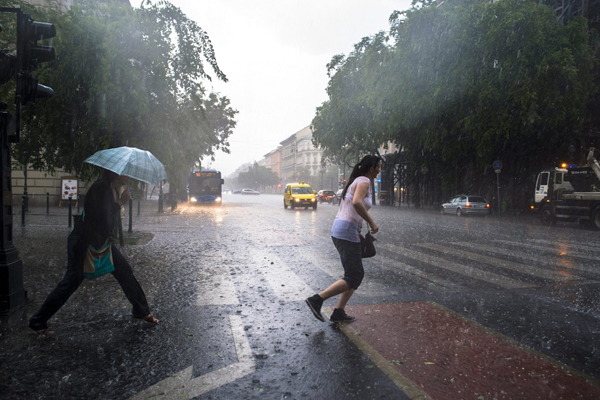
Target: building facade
[{"x": 299, "y": 157}]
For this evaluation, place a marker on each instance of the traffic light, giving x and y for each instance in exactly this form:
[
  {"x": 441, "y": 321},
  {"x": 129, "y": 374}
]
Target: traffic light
[
  {"x": 8, "y": 66},
  {"x": 29, "y": 55}
]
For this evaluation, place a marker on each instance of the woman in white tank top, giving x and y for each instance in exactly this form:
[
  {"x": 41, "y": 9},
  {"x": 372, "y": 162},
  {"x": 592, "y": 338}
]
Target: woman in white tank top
[{"x": 345, "y": 233}]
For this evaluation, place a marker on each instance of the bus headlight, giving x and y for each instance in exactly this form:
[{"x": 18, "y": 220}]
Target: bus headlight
[
  {"x": 193, "y": 199},
  {"x": 297, "y": 200},
  {"x": 217, "y": 199}
]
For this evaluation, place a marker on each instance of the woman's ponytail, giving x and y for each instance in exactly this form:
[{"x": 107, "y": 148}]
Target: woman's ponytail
[{"x": 361, "y": 169}]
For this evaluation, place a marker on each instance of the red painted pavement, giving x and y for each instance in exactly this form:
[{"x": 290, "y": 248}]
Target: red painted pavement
[{"x": 447, "y": 357}]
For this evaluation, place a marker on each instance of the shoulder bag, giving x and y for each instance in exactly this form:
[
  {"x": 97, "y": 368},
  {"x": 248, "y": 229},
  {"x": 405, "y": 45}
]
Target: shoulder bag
[{"x": 367, "y": 247}]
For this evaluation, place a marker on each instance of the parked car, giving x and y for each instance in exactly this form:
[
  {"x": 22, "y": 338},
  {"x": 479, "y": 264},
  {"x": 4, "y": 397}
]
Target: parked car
[
  {"x": 337, "y": 197},
  {"x": 250, "y": 191},
  {"x": 466, "y": 204},
  {"x": 325, "y": 196}
]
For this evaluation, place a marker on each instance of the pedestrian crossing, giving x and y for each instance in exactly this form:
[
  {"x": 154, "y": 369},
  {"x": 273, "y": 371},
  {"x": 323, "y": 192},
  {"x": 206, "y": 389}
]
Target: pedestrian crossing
[{"x": 452, "y": 267}]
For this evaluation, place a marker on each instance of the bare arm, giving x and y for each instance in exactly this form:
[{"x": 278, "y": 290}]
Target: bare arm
[{"x": 362, "y": 189}]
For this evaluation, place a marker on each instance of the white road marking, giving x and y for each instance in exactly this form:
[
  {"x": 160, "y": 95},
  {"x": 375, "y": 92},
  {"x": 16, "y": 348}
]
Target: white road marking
[
  {"x": 285, "y": 283},
  {"x": 182, "y": 385},
  {"x": 470, "y": 272},
  {"x": 555, "y": 250},
  {"x": 399, "y": 267},
  {"x": 497, "y": 262},
  {"x": 217, "y": 290},
  {"x": 529, "y": 256}
]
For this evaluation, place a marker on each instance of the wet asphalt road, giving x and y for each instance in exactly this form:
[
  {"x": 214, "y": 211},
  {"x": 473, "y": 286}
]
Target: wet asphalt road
[{"x": 228, "y": 285}]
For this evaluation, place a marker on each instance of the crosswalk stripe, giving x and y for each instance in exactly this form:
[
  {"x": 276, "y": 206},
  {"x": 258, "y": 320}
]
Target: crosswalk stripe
[
  {"x": 528, "y": 256},
  {"x": 218, "y": 289},
  {"x": 497, "y": 262},
  {"x": 471, "y": 272},
  {"x": 572, "y": 245},
  {"x": 399, "y": 267},
  {"x": 286, "y": 284},
  {"x": 553, "y": 250}
]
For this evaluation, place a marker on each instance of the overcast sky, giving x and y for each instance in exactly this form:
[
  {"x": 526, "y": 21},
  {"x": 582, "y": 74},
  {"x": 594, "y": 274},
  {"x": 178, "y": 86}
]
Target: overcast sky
[{"x": 274, "y": 53}]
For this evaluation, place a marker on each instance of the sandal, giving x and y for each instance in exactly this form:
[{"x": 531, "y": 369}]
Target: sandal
[{"x": 148, "y": 318}]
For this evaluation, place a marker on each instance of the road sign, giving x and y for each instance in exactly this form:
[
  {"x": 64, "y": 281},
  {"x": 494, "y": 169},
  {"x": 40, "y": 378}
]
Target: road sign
[{"x": 497, "y": 165}]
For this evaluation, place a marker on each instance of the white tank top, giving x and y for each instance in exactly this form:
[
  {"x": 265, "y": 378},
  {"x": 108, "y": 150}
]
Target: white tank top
[{"x": 348, "y": 223}]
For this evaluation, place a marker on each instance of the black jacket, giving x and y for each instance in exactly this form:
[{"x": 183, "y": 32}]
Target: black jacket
[{"x": 100, "y": 214}]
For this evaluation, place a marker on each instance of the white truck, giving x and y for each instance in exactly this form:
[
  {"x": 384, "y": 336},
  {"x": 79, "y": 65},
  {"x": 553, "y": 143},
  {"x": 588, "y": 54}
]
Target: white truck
[{"x": 569, "y": 194}]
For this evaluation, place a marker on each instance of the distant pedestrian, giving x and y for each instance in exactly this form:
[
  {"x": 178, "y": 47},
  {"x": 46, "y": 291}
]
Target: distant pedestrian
[
  {"x": 355, "y": 203},
  {"x": 101, "y": 208}
]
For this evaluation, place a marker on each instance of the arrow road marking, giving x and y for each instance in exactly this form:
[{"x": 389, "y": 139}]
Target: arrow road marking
[{"x": 183, "y": 385}]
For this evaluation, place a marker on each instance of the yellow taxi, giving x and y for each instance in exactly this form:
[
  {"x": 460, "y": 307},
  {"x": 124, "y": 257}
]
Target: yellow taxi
[{"x": 299, "y": 195}]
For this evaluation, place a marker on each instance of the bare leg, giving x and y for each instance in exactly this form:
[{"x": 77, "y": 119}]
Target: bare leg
[
  {"x": 344, "y": 297},
  {"x": 336, "y": 288}
]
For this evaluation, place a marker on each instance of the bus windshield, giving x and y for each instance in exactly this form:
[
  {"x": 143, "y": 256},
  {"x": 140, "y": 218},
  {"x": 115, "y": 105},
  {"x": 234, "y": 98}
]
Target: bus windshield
[{"x": 204, "y": 186}]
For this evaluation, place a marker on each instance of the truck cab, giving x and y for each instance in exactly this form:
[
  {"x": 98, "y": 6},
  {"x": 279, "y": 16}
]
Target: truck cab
[
  {"x": 568, "y": 194},
  {"x": 553, "y": 180}
]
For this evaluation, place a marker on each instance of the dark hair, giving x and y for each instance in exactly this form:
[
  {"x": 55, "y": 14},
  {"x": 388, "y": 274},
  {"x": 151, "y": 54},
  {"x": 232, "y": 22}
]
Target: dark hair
[{"x": 361, "y": 169}]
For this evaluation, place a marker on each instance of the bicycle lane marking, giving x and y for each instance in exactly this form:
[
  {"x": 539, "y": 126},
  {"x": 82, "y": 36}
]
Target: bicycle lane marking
[{"x": 431, "y": 352}]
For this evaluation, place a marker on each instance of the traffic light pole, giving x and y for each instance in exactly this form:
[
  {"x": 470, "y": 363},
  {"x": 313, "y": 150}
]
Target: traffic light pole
[
  {"x": 29, "y": 55},
  {"x": 12, "y": 295}
]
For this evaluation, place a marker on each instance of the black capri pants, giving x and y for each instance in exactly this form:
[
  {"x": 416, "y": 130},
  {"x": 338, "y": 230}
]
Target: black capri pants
[{"x": 351, "y": 257}]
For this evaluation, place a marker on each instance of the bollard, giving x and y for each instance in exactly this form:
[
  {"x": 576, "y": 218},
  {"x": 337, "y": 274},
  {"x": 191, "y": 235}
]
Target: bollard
[
  {"x": 47, "y": 203},
  {"x": 23, "y": 210},
  {"x": 70, "y": 212},
  {"x": 130, "y": 216},
  {"x": 77, "y": 221}
]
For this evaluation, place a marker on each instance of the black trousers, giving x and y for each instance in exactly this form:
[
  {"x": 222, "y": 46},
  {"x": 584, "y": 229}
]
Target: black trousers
[{"x": 74, "y": 276}]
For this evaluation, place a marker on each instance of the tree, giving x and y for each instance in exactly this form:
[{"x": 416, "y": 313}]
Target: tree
[
  {"x": 257, "y": 176},
  {"x": 462, "y": 84},
  {"x": 126, "y": 76},
  {"x": 345, "y": 126}
]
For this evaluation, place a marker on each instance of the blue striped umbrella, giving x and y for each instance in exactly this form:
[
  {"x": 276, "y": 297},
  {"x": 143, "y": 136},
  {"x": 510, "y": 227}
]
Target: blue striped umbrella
[{"x": 132, "y": 162}]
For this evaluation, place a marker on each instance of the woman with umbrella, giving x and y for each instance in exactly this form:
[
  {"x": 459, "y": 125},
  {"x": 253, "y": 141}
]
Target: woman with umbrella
[{"x": 101, "y": 207}]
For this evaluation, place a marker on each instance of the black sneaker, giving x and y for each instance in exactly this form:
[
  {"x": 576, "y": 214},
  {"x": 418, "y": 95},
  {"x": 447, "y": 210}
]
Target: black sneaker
[
  {"x": 314, "y": 303},
  {"x": 339, "y": 315}
]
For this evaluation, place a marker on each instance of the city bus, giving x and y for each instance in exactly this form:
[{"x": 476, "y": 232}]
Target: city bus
[{"x": 205, "y": 187}]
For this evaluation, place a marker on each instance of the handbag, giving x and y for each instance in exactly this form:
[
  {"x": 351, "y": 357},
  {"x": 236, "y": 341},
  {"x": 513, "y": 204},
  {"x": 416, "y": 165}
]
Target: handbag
[
  {"x": 98, "y": 262},
  {"x": 367, "y": 247}
]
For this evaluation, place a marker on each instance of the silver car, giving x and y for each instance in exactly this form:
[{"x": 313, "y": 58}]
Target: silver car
[{"x": 465, "y": 204}]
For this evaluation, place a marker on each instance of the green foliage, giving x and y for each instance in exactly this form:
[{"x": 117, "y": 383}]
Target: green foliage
[
  {"x": 257, "y": 176},
  {"x": 463, "y": 84},
  {"x": 125, "y": 76}
]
